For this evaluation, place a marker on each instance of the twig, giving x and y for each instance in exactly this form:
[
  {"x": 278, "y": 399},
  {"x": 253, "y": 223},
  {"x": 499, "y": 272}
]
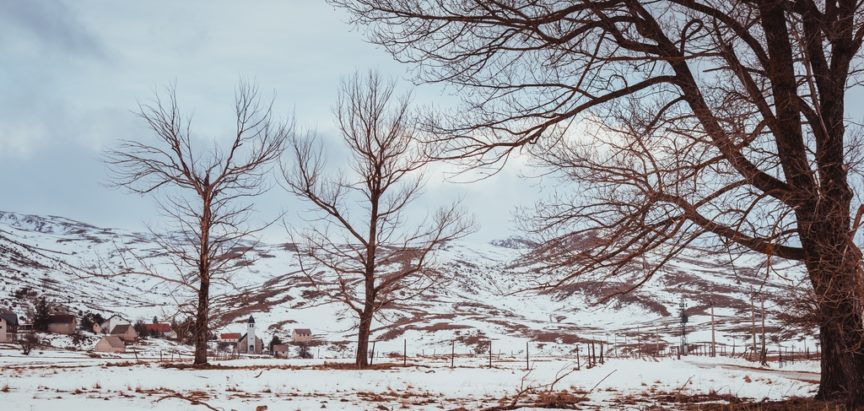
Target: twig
[{"x": 585, "y": 396}]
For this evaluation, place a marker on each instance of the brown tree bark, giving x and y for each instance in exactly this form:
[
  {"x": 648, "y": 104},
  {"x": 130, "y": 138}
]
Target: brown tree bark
[
  {"x": 202, "y": 323},
  {"x": 836, "y": 276},
  {"x": 363, "y": 333}
]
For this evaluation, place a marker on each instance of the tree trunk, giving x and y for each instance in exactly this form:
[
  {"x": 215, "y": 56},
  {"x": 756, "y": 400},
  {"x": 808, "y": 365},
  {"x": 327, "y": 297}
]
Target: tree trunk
[
  {"x": 202, "y": 315},
  {"x": 834, "y": 266},
  {"x": 362, "y": 360},
  {"x": 841, "y": 338},
  {"x": 201, "y": 329}
]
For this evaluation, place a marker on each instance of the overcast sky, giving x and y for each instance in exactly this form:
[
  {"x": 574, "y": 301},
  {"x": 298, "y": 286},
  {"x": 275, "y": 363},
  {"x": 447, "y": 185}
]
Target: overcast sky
[{"x": 73, "y": 72}]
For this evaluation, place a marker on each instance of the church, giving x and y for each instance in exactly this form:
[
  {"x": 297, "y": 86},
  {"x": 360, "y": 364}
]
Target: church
[{"x": 249, "y": 343}]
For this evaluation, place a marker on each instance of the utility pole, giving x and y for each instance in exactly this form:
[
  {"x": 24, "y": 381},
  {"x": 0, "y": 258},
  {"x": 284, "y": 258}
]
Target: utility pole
[
  {"x": 764, "y": 355},
  {"x": 713, "y": 341},
  {"x": 753, "y": 320},
  {"x": 683, "y": 308}
]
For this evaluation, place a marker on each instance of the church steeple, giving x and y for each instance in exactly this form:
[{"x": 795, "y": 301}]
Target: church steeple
[{"x": 250, "y": 336}]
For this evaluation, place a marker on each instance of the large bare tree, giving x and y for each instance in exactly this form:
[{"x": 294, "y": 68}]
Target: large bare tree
[
  {"x": 365, "y": 255},
  {"x": 708, "y": 118},
  {"x": 205, "y": 190}
]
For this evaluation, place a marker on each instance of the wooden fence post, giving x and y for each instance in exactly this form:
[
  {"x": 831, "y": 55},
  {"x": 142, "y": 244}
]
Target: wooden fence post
[{"x": 577, "y": 356}]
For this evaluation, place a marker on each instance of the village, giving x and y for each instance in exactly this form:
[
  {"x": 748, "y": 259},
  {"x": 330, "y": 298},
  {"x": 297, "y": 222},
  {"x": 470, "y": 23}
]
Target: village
[{"x": 117, "y": 334}]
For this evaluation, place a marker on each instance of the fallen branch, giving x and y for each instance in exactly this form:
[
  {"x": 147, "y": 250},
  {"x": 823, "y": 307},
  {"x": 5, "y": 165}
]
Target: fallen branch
[{"x": 191, "y": 400}]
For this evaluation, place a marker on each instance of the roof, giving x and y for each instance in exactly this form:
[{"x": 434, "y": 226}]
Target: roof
[
  {"x": 159, "y": 328},
  {"x": 61, "y": 319},
  {"x": 113, "y": 341},
  {"x": 121, "y": 329},
  {"x": 251, "y": 320},
  {"x": 280, "y": 347},
  {"x": 10, "y": 317},
  {"x": 229, "y": 336},
  {"x": 303, "y": 331}
]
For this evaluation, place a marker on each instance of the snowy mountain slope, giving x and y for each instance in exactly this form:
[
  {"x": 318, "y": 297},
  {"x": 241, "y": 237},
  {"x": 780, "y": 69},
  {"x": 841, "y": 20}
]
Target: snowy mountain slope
[{"x": 487, "y": 297}]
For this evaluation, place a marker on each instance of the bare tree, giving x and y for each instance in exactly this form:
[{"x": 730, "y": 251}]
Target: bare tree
[
  {"x": 364, "y": 256},
  {"x": 205, "y": 191},
  {"x": 706, "y": 119}
]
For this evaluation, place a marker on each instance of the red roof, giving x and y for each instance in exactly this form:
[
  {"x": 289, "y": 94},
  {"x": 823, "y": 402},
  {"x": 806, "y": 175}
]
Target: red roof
[
  {"x": 229, "y": 336},
  {"x": 159, "y": 328}
]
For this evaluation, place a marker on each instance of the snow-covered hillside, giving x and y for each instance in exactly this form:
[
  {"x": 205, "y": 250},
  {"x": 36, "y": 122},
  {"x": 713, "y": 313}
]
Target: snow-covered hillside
[{"x": 488, "y": 295}]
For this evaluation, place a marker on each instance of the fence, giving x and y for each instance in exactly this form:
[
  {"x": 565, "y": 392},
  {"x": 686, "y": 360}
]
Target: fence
[{"x": 586, "y": 353}]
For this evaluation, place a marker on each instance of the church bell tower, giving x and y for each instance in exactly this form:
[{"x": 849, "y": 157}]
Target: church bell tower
[{"x": 250, "y": 336}]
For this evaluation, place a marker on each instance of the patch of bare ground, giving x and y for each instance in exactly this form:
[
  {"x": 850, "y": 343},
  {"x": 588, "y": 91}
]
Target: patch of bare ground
[
  {"x": 552, "y": 336},
  {"x": 792, "y": 404},
  {"x": 544, "y": 399},
  {"x": 405, "y": 398},
  {"x": 399, "y": 327},
  {"x": 713, "y": 401},
  {"x": 613, "y": 290}
]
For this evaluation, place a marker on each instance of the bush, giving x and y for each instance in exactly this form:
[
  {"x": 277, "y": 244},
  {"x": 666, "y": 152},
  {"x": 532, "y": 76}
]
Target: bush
[
  {"x": 29, "y": 342},
  {"x": 303, "y": 351}
]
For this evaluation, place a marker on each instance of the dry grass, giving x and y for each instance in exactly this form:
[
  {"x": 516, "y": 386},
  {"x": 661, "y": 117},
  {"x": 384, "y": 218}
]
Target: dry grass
[
  {"x": 792, "y": 404},
  {"x": 714, "y": 401}
]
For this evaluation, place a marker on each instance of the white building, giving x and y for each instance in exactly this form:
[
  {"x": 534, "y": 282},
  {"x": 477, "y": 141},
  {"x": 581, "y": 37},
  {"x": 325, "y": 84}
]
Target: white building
[
  {"x": 249, "y": 342},
  {"x": 111, "y": 322}
]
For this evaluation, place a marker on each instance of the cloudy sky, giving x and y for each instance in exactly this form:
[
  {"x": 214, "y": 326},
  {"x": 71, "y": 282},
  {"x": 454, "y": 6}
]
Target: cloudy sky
[{"x": 73, "y": 72}]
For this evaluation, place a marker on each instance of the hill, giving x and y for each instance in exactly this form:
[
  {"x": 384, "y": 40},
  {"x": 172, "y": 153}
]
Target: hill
[{"x": 490, "y": 293}]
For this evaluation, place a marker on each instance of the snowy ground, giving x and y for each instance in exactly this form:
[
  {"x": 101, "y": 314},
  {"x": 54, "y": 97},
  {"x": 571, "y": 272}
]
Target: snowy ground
[{"x": 62, "y": 380}]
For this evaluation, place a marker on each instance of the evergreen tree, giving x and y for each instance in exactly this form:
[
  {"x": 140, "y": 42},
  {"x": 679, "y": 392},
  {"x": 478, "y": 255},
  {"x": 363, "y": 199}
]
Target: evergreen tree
[
  {"x": 41, "y": 315},
  {"x": 274, "y": 341}
]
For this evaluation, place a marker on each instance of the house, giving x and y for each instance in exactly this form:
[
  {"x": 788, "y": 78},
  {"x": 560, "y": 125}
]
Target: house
[
  {"x": 301, "y": 335},
  {"x": 111, "y": 322},
  {"x": 249, "y": 343},
  {"x": 110, "y": 343},
  {"x": 227, "y": 341},
  {"x": 230, "y": 338},
  {"x": 8, "y": 326},
  {"x": 280, "y": 350},
  {"x": 62, "y": 324},
  {"x": 125, "y": 332},
  {"x": 162, "y": 330}
]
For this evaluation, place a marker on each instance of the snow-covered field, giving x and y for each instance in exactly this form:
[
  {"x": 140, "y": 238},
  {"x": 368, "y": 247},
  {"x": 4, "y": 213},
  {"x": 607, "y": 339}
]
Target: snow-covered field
[{"x": 58, "y": 380}]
